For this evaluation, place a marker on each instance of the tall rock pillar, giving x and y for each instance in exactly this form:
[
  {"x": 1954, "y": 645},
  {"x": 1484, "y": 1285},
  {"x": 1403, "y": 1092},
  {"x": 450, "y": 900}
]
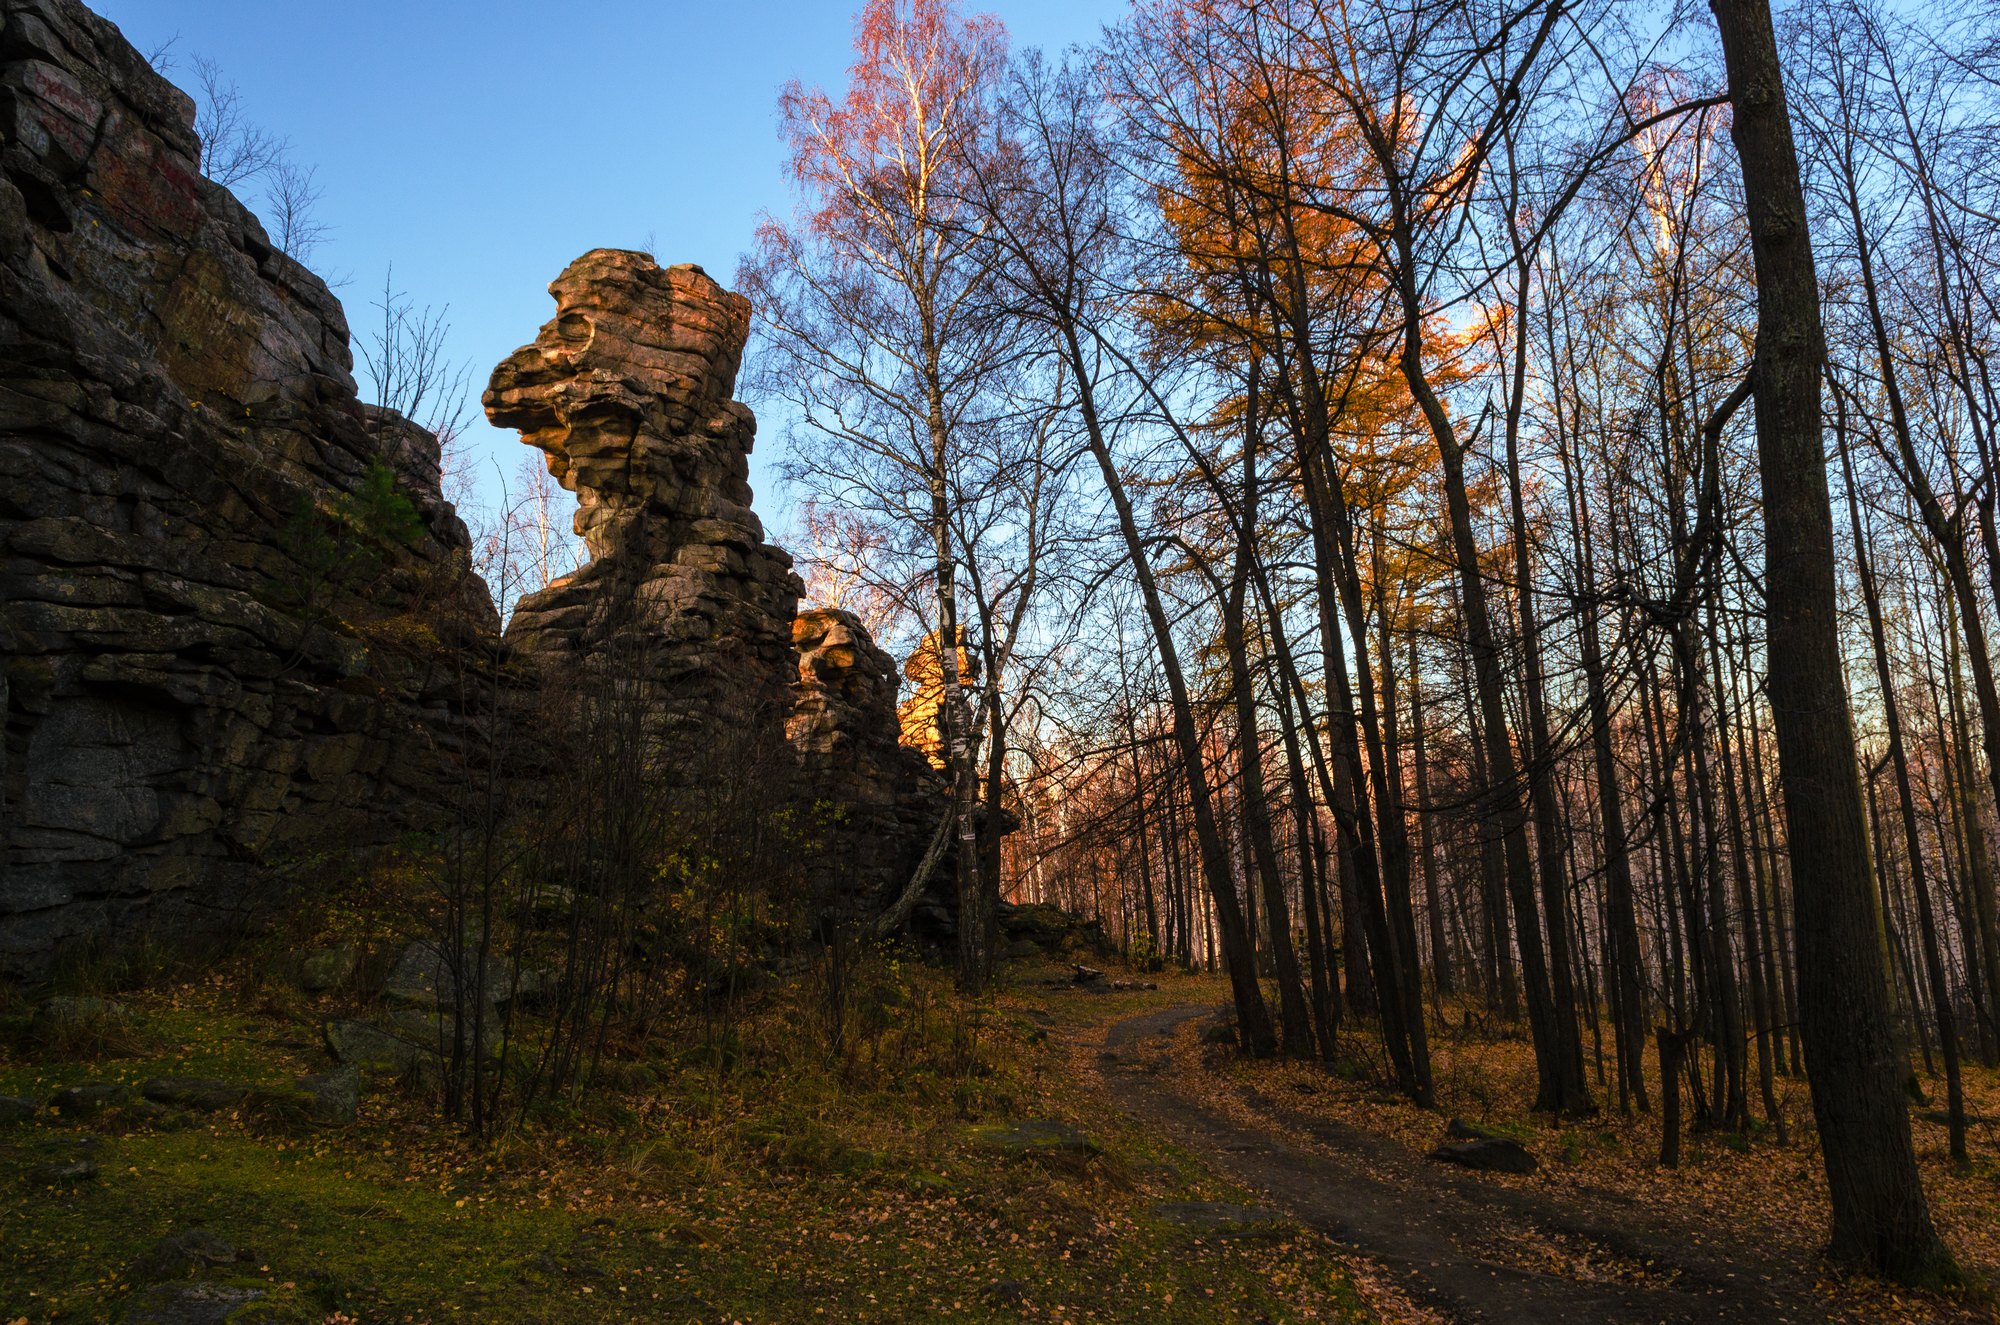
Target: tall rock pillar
[{"x": 628, "y": 391}]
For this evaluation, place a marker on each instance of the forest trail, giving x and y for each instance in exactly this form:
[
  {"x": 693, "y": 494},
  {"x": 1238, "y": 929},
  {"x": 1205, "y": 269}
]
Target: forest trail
[{"x": 1451, "y": 1239}]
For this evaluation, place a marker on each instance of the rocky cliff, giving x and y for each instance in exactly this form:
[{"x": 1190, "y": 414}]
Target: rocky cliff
[
  {"x": 229, "y": 593},
  {"x": 238, "y": 620},
  {"x": 918, "y": 718}
]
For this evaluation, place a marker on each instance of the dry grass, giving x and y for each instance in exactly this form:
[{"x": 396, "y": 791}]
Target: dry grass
[{"x": 762, "y": 1178}]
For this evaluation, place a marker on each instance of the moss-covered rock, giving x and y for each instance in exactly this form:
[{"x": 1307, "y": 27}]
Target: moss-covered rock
[{"x": 1035, "y": 1138}]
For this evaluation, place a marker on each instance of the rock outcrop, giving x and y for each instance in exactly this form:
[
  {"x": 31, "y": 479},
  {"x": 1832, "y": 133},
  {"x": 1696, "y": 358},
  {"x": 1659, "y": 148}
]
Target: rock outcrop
[
  {"x": 224, "y": 582},
  {"x": 918, "y": 717},
  {"x": 873, "y": 799},
  {"x": 237, "y": 614},
  {"x": 627, "y": 390}
]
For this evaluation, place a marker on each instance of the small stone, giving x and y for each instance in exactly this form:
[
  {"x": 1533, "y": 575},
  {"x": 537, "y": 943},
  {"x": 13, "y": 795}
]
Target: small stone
[
  {"x": 1493, "y": 1155},
  {"x": 204, "y": 1093},
  {"x": 89, "y": 1098},
  {"x": 64, "y": 1173},
  {"x": 67, "y": 1017},
  {"x": 16, "y": 1109},
  {"x": 184, "y": 1252},
  {"x": 1008, "y": 1291},
  {"x": 191, "y": 1304}
]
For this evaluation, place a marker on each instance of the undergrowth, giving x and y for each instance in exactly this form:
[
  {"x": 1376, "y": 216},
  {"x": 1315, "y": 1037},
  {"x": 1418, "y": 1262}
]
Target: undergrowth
[{"x": 758, "y": 1175}]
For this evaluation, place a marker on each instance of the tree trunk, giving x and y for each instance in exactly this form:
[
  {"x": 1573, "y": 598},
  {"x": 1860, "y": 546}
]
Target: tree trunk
[
  {"x": 1441, "y": 966},
  {"x": 1913, "y": 845},
  {"x": 1253, "y": 1018},
  {"x": 1881, "y": 1220}
]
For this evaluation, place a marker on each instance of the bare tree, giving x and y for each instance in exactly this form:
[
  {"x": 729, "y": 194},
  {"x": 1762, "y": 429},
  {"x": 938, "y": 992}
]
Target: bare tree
[
  {"x": 409, "y": 369},
  {"x": 874, "y": 321},
  {"x": 234, "y": 150},
  {"x": 847, "y": 560},
  {"x": 1881, "y": 1221},
  {"x": 292, "y": 196}
]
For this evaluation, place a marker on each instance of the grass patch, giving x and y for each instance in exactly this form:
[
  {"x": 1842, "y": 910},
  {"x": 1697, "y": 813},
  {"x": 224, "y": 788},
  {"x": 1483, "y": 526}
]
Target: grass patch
[{"x": 794, "y": 1184}]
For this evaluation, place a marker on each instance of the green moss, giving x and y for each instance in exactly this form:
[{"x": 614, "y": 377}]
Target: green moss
[{"x": 793, "y": 1188}]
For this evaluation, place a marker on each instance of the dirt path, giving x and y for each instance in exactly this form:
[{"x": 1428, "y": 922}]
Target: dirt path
[{"x": 1454, "y": 1239}]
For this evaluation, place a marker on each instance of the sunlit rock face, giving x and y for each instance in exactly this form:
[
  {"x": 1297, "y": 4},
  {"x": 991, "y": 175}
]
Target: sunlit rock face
[
  {"x": 918, "y": 717},
  {"x": 223, "y": 630},
  {"x": 872, "y": 800},
  {"x": 627, "y": 390},
  {"x": 845, "y": 711}
]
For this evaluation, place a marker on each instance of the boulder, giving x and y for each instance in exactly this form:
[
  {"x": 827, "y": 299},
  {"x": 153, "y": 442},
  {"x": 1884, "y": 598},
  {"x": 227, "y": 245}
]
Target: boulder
[
  {"x": 64, "y": 1173},
  {"x": 336, "y": 1095},
  {"x": 369, "y": 1048},
  {"x": 16, "y": 1109},
  {"x": 66, "y": 1018},
  {"x": 201, "y": 1093},
  {"x": 424, "y": 976},
  {"x": 88, "y": 1099},
  {"x": 1492, "y": 1155},
  {"x": 191, "y": 1304},
  {"x": 320, "y": 969},
  {"x": 1051, "y": 928},
  {"x": 182, "y": 1253}
]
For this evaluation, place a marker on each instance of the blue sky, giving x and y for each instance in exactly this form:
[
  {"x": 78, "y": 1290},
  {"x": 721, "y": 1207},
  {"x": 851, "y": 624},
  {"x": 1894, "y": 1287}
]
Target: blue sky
[{"x": 479, "y": 147}]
